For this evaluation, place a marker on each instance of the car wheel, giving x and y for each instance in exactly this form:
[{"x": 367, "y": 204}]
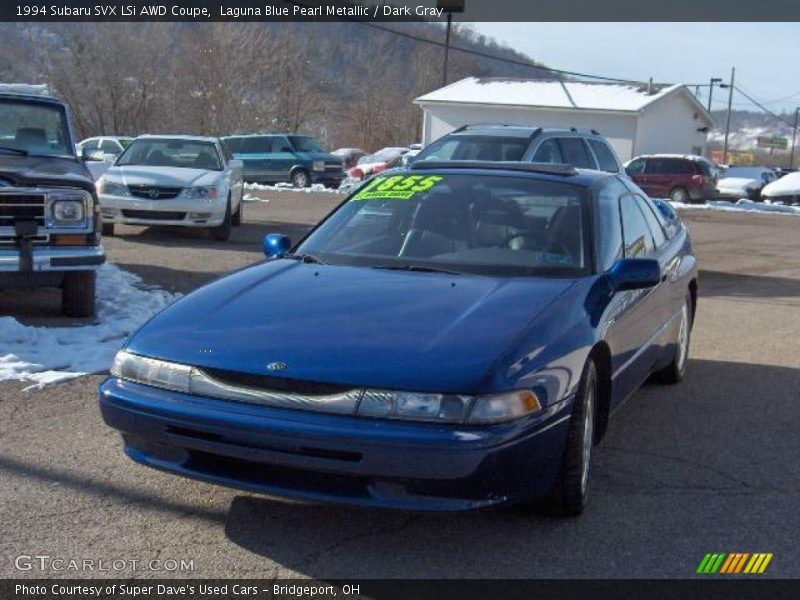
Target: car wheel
[
  {"x": 236, "y": 218},
  {"x": 573, "y": 487},
  {"x": 78, "y": 294},
  {"x": 680, "y": 194},
  {"x": 300, "y": 179},
  {"x": 675, "y": 371},
  {"x": 108, "y": 229},
  {"x": 222, "y": 232}
]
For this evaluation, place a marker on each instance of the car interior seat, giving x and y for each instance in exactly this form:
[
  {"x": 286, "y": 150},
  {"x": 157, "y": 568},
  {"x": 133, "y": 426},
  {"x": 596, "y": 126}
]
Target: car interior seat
[
  {"x": 496, "y": 221},
  {"x": 440, "y": 225},
  {"x": 30, "y": 136},
  {"x": 565, "y": 234}
]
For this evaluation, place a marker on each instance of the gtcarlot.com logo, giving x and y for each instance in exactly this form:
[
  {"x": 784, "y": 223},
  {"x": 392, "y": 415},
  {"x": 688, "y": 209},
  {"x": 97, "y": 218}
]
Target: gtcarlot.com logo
[{"x": 733, "y": 563}]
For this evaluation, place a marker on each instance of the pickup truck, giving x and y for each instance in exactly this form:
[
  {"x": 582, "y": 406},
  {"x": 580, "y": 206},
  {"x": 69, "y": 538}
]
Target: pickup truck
[{"x": 49, "y": 219}]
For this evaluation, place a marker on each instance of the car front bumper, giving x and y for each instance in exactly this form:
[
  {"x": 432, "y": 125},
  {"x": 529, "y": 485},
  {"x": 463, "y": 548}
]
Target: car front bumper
[
  {"x": 332, "y": 458},
  {"x": 176, "y": 211},
  {"x": 46, "y": 258}
]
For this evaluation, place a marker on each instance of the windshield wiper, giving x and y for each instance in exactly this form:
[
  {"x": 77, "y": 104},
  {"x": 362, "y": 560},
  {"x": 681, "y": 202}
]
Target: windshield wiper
[
  {"x": 417, "y": 268},
  {"x": 17, "y": 151},
  {"x": 306, "y": 258}
]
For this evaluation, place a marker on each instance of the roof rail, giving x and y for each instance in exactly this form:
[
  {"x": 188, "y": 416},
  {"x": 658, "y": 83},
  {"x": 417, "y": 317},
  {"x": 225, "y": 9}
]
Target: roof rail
[
  {"x": 550, "y": 168},
  {"x": 469, "y": 126}
]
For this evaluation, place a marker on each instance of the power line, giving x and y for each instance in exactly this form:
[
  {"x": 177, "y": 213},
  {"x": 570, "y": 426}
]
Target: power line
[{"x": 762, "y": 107}]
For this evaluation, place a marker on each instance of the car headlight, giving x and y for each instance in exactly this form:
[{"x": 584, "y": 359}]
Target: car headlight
[
  {"x": 203, "y": 192},
  {"x": 111, "y": 188},
  {"x": 507, "y": 406},
  {"x": 414, "y": 406},
  {"x": 69, "y": 209},
  {"x": 151, "y": 371},
  {"x": 318, "y": 165}
]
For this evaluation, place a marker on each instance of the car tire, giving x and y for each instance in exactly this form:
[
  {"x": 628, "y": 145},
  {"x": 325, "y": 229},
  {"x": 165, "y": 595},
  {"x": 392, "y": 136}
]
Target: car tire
[
  {"x": 108, "y": 229},
  {"x": 680, "y": 194},
  {"x": 572, "y": 491},
  {"x": 78, "y": 294},
  {"x": 236, "y": 218},
  {"x": 222, "y": 232},
  {"x": 300, "y": 178},
  {"x": 676, "y": 370}
]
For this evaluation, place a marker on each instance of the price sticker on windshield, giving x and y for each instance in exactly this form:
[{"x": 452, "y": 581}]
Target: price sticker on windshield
[{"x": 397, "y": 187}]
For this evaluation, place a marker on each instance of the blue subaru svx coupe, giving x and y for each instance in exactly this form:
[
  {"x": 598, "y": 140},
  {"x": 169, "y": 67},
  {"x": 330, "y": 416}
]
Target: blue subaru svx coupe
[{"x": 453, "y": 336}]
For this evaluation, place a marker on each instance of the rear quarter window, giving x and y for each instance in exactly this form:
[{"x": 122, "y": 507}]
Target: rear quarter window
[
  {"x": 605, "y": 158},
  {"x": 576, "y": 153}
]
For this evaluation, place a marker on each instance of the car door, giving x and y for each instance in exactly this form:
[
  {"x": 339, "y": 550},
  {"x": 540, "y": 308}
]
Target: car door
[
  {"x": 657, "y": 177},
  {"x": 282, "y": 158},
  {"x": 256, "y": 155},
  {"x": 234, "y": 175},
  {"x": 635, "y": 317}
]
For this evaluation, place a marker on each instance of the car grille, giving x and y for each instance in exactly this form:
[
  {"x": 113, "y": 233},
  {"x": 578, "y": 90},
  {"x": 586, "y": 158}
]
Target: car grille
[
  {"x": 154, "y": 215},
  {"x": 23, "y": 207},
  {"x": 153, "y": 192},
  {"x": 276, "y": 384}
]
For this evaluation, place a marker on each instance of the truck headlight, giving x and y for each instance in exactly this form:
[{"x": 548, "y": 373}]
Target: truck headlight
[
  {"x": 318, "y": 165},
  {"x": 203, "y": 192},
  {"x": 68, "y": 210}
]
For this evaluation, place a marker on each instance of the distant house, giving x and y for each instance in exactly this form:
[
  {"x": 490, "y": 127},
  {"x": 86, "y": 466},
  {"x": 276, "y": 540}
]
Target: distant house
[{"x": 635, "y": 119}]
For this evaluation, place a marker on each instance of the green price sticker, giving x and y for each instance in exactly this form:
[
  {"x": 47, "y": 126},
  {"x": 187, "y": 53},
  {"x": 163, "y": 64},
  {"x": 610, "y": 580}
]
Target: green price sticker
[{"x": 397, "y": 187}]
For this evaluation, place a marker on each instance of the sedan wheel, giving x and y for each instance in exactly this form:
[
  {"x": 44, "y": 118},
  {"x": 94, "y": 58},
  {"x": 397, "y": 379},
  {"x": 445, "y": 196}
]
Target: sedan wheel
[{"x": 676, "y": 370}]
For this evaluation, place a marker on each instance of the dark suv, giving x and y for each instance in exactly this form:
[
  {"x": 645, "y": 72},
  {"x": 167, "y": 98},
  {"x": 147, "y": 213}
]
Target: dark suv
[
  {"x": 584, "y": 149},
  {"x": 48, "y": 206},
  {"x": 681, "y": 178}
]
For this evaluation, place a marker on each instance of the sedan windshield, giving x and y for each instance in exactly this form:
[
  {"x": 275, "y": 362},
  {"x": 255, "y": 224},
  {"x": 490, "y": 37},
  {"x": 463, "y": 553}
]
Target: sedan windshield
[
  {"x": 484, "y": 224},
  {"x": 34, "y": 128},
  {"x": 177, "y": 153}
]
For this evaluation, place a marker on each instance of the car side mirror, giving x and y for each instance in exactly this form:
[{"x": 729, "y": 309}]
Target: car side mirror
[
  {"x": 91, "y": 155},
  {"x": 276, "y": 244},
  {"x": 634, "y": 274}
]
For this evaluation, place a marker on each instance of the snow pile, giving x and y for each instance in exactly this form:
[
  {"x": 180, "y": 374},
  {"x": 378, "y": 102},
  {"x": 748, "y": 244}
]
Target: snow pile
[
  {"x": 742, "y": 205},
  {"x": 48, "y": 354},
  {"x": 288, "y": 187}
]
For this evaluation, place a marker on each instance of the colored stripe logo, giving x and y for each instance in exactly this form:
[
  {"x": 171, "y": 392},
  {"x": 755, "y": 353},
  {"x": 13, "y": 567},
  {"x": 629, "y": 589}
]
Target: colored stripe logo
[{"x": 733, "y": 563}]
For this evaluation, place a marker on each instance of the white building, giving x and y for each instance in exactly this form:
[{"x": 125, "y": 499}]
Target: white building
[{"x": 635, "y": 120}]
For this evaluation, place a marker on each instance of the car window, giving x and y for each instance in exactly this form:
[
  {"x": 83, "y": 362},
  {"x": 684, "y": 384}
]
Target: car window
[
  {"x": 226, "y": 151},
  {"x": 608, "y": 227},
  {"x": 476, "y": 147},
  {"x": 636, "y": 167},
  {"x": 110, "y": 147},
  {"x": 91, "y": 146},
  {"x": 257, "y": 144},
  {"x": 605, "y": 158},
  {"x": 486, "y": 224},
  {"x": 304, "y": 143},
  {"x": 576, "y": 153},
  {"x": 234, "y": 144},
  {"x": 175, "y": 153},
  {"x": 38, "y": 128},
  {"x": 659, "y": 237},
  {"x": 548, "y": 152},
  {"x": 638, "y": 239}
]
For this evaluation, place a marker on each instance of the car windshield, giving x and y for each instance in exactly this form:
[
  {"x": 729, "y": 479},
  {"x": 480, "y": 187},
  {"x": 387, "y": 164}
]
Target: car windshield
[
  {"x": 35, "y": 128},
  {"x": 385, "y": 155},
  {"x": 744, "y": 172},
  {"x": 302, "y": 143},
  {"x": 177, "y": 153},
  {"x": 483, "y": 224},
  {"x": 125, "y": 142},
  {"x": 476, "y": 147}
]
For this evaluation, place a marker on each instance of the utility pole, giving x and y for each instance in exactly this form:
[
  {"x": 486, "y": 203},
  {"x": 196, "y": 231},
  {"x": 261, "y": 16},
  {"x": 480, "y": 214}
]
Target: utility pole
[
  {"x": 714, "y": 81},
  {"x": 794, "y": 137},
  {"x": 450, "y": 7},
  {"x": 728, "y": 119}
]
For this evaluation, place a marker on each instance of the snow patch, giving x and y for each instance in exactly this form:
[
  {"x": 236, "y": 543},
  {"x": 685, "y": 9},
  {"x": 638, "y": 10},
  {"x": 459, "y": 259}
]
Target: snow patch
[
  {"x": 45, "y": 355},
  {"x": 742, "y": 205},
  {"x": 288, "y": 187}
]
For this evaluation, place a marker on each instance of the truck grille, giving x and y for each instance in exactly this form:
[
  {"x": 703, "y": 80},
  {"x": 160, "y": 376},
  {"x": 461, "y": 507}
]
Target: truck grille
[
  {"x": 154, "y": 215},
  {"x": 23, "y": 207},
  {"x": 154, "y": 192}
]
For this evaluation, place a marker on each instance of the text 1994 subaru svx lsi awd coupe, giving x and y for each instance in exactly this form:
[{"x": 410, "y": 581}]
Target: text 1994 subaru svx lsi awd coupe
[{"x": 452, "y": 336}]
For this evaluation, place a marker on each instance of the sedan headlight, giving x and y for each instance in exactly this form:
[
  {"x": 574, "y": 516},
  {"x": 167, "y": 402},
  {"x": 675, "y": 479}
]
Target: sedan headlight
[
  {"x": 382, "y": 404},
  {"x": 203, "y": 192},
  {"x": 318, "y": 165},
  {"x": 112, "y": 188},
  {"x": 69, "y": 209}
]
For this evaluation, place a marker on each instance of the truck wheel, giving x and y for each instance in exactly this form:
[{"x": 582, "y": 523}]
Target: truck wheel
[
  {"x": 236, "y": 219},
  {"x": 78, "y": 294},
  {"x": 300, "y": 179},
  {"x": 108, "y": 229},
  {"x": 222, "y": 232}
]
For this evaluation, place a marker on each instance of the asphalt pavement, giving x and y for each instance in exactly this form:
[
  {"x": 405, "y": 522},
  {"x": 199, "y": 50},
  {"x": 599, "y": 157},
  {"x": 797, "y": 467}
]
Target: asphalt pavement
[{"x": 710, "y": 465}]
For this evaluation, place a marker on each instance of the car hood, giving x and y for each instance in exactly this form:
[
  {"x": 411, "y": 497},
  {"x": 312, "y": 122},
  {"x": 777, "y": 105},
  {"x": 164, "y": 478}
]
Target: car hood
[
  {"x": 788, "y": 185},
  {"x": 348, "y": 325},
  {"x": 737, "y": 183},
  {"x": 166, "y": 176},
  {"x": 44, "y": 171}
]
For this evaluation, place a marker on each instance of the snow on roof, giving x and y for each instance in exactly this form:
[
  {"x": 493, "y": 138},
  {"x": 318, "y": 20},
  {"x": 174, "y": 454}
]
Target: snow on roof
[
  {"x": 551, "y": 94},
  {"x": 26, "y": 89}
]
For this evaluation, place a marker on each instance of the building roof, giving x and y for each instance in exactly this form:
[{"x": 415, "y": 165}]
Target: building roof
[{"x": 576, "y": 95}]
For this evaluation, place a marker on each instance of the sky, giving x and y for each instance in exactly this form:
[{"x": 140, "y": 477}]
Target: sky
[{"x": 765, "y": 54}]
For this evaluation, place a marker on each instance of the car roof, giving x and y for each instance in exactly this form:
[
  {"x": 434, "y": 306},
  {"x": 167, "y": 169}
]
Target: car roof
[
  {"x": 509, "y": 130},
  {"x": 32, "y": 98},
  {"x": 545, "y": 171},
  {"x": 188, "y": 138},
  {"x": 693, "y": 157},
  {"x": 245, "y": 135}
]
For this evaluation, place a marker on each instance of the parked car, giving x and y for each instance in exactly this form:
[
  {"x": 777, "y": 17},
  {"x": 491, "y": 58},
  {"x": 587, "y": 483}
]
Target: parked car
[
  {"x": 682, "y": 178},
  {"x": 781, "y": 171},
  {"x": 277, "y": 158},
  {"x": 99, "y": 153},
  {"x": 348, "y": 156},
  {"x": 786, "y": 189},
  {"x": 49, "y": 234},
  {"x": 372, "y": 164},
  {"x": 188, "y": 181},
  {"x": 503, "y": 311},
  {"x": 583, "y": 149},
  {"x": 744, "y": 182}
]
